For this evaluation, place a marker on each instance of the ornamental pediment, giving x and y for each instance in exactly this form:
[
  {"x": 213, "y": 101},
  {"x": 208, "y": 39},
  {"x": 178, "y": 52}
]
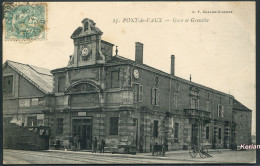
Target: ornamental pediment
[
  {"x": 82, "y": 87},
  {"x": 193, "y": 88}
]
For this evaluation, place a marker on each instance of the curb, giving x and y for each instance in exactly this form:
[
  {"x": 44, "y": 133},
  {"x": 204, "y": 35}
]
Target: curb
[
  {"x": 135, "y": 156},
  {"x": 115, "y": 155}
]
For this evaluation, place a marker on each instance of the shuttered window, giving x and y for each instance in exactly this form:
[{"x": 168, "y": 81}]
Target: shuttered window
[
  {"x": 155, "y": 93},
  {"x": 141, "y": 93},
  {"x": 220, "y": 111},
  {"x": 176, "y": 100}
]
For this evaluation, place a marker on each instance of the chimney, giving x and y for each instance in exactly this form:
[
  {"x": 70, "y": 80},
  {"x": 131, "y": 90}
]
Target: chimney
[
  {"x": 138, "y": 52},
  {"x": 172, "y": 65}
]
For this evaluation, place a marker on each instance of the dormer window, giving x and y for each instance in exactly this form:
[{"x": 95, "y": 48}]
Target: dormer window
[{"x": 85, "y": 26}]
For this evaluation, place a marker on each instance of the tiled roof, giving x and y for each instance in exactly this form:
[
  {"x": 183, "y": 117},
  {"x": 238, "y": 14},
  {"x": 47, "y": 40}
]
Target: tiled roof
[
  {"x": 239, "y": 106},
  {"x": 118, "y": 59},
  {"x": 40, "y": 77}
]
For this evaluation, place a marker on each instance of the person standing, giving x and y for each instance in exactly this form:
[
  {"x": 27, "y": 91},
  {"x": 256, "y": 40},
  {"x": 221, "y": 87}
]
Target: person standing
[
  {"x": 102, "y": 149},
  {"x": 95, "y": 145}
]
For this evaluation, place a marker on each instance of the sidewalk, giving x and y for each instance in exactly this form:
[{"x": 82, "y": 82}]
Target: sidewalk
[{"x": 170, "y": 155}]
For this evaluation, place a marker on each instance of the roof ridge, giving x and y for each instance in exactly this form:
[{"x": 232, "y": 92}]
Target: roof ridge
[
  {"x": 27, "y": 64},
  {"x": 169, "y": 75},
  {"x": 31, "y": 66}
]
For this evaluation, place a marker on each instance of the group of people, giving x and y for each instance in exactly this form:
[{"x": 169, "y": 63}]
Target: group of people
[
  {"x": 77, "y": 144},
  {"x": 102, "y": 145}
]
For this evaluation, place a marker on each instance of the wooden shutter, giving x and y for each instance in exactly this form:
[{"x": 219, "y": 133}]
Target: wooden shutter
[
  {"x": 222, "y": 111},
  {"x": 141, "y": 93},
  {"x": 179, "y": 100},
  {"x": 157, "y": 97},
  {"x": 152, "y": 96}
]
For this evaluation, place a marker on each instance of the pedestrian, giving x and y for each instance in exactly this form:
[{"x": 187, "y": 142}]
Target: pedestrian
[
  {"x": 102, "y": 149},
  {"x": 95, "y": 145},
  {"x": 79, "y": 142},
  {"x": 75, "y": 143}
]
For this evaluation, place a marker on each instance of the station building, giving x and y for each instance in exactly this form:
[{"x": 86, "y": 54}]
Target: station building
[{"x": 122, "y": 101}]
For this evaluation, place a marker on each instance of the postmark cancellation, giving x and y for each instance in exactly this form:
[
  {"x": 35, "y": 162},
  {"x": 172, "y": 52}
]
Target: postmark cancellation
[{"x": 25, "y": 21}]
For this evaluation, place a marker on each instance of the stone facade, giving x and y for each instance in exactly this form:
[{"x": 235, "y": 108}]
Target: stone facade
[{"x": 126, "y": 102}]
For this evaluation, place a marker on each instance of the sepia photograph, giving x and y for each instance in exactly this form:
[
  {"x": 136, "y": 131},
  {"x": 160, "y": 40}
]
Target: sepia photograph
[{"x": 129, "y": 82}]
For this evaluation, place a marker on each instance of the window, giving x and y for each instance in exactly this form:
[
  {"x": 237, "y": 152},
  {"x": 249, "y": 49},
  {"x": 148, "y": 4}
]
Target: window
[
  {"x": 208, "y": 95},
  {"x": 155, "y": 96},
  {"x": 138, "y": 92},
  {"x": 115, "y": 79},
  {"x": 61, "y": 84},
  {"x": 220, "y": 100},
  {"x": 207, "y": 132},
  {"x": 60, "y": 126},
  {"x": 176, "y": 100},
  {"x": 207, "y": 106},
  {"x": 114, "y": 126},
  {"x": 194, "y": 99},
  {"x": 220, "y": 111},
  {"x": 8, "y": 85},
  {"x": 176, "y": 132},
  {"x": 155, "y": 129},
  {"x": 194, "y": 103},
  {"x": 219, "y": 133}
]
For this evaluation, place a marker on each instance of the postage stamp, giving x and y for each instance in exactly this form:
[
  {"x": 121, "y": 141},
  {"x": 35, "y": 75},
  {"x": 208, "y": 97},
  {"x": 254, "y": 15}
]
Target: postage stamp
[{"x": 25, "y": 21}]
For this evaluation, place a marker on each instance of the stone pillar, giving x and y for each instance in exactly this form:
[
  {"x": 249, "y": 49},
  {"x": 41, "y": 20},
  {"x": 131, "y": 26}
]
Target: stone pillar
[
  {"x": 186, "y": 135},
  {"x": 215, "y": 137},
  {"x": 226, "y": 137},
  {"x": 147, "y": 132},
  {"x": 169, "y": 133},
  {"x": 162, "y": 129},
  {"x": 99, "y": 126},
  {"x": 126, "y": 128}
]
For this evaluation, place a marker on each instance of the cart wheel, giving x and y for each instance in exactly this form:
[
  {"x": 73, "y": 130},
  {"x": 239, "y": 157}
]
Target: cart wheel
[
  {"x": 193, "y": 153},
  {"x": 203, "y": 152}
]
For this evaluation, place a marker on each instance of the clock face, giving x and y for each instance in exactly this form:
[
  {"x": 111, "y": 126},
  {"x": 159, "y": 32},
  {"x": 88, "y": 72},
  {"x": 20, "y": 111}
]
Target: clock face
[
  {"x": 136, "y": 73},
  {"x": 84, "y": 51}
]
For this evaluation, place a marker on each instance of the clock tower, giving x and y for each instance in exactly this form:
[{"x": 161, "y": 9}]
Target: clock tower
[{"x": 87, "y": 45}]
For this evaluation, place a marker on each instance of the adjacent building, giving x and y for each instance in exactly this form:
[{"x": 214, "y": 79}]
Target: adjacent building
[{"x": 122, "y": 101}]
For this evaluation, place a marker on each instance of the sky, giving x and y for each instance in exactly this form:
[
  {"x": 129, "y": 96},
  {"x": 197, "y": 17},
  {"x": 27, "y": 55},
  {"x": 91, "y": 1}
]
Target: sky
[{"x": 218, "y": 52}]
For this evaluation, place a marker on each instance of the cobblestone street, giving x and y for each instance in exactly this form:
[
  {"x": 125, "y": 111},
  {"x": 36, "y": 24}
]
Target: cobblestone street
[{"x": 80, "y": 157}]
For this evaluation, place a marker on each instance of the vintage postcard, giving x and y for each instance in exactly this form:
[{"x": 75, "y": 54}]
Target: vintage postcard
[{"x": 129, "y": 82}]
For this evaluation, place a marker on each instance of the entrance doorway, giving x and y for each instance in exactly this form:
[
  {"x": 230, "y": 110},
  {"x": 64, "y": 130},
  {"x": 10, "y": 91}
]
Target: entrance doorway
[
  {"x": 135, "y": 132},
  {"x": 82, "y": 128},
  {"x": 194, "y": 134}
]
